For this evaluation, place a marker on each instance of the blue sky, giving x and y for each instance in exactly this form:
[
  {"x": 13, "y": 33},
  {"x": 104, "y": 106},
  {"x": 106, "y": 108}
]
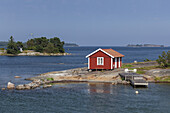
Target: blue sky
[{"x": 87, "y": 22}]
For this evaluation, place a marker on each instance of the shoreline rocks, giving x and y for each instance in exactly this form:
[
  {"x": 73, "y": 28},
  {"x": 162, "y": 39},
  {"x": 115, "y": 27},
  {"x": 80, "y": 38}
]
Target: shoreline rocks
[
  {"x": 10, "y": 85},
  {"x": 33, "y": 53}
]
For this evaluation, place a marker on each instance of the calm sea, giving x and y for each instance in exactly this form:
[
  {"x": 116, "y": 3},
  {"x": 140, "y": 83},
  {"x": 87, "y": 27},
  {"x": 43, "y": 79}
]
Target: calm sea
[{"x": 79, "y": 98}]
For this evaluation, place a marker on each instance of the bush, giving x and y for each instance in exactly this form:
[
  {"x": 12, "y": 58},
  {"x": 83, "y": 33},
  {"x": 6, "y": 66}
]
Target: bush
[
  {"x": 164, "y": 60},
  {"x": 147, "y": 60},
  {"x": 50, "y": 79}
]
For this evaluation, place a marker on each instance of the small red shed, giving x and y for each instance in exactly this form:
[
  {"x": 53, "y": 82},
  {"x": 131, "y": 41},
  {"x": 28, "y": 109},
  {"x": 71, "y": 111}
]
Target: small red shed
[{"x": 104, "y": 59}]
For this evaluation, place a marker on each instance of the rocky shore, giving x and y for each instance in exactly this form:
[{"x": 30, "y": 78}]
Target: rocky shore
[
  {"x": 33, "y": 53},
  {"x": 45, "y": 80}
]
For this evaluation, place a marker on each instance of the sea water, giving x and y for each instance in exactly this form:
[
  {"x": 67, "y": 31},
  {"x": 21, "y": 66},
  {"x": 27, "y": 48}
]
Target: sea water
[{"x": 79, "y": 98}]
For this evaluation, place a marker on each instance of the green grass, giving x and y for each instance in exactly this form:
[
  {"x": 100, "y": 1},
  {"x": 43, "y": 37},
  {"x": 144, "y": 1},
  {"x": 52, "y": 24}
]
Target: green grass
[
  {"x": 127, "y": 65},
  {"x": 147, "y": 68},
  {"x": 163, "y": 79},
  {"x": 140, "y": 72}
]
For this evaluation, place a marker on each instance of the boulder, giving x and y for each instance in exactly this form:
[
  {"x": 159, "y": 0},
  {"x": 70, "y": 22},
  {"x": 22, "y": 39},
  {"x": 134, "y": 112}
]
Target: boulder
[
  {"x": 27, "y": 86},
  {"x": 3, "y": 89},
  {"x": 17, "y": 77},
  {"x": 125, "y": 82},
  {"x": 38, "y": 81},
  {"x": 10, "y": 85},
  {"x": 32, "y": 85},
  {"x": 114, "y": 83},
  {"x": 47, "y": 86},
  {"x": 20, "y": 87}
]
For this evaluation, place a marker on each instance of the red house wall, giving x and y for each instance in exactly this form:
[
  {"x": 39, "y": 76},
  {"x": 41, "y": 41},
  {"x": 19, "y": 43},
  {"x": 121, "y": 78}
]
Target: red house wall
[{"x": 93, "y": 61}]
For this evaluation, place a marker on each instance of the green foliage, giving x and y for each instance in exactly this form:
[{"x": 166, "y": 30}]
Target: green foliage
[
  {"x": 20, "y": 44},
  {"x": 147, "y": 60},
  {"x": 12, "y": 47},
  {"x": 50, "y": 48},
  {"x": 52, "y": 45},
  {"x": 50, "y": 79},
  {"x": 168, "y": 57},
  {"x": 164, "y": 60}
]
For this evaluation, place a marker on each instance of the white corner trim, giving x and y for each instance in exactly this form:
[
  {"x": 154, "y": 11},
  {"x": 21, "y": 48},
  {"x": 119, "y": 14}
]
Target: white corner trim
[
  {"x": 111, "y": 63},
  {"x": 88, "y": 63},
  {"x": 99, "y": 50},
  {"x": 119, "y": 61}
]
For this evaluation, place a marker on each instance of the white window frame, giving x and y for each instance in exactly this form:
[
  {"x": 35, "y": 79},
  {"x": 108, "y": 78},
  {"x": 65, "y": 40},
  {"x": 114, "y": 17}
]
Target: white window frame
[{"x": 100, "y": 60}]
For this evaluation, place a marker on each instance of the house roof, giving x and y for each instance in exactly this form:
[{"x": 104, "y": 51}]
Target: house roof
[
  {"x": 110, "y": 52},
  {"x": 113, "y": 53}
]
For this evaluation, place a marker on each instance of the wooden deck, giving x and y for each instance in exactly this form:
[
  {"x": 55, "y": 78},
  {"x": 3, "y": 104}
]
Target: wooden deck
[{"x": 135, "y": 79}]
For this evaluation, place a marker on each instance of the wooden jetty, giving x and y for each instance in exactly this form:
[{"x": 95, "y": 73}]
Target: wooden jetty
[{"x": 135, "y": 79}]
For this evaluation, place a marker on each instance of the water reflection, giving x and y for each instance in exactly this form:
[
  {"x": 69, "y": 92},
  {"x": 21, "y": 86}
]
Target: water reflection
[{"x": 100, "y": 88}]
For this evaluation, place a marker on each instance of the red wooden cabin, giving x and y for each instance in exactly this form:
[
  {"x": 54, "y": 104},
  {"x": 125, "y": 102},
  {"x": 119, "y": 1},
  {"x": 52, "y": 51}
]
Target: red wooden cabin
[{"x": 104, "y": 59}]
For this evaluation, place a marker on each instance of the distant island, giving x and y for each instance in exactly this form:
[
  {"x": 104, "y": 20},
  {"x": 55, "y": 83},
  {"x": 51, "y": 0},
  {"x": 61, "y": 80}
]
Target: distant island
[
  {"x": 3, "y": 44},
  {"x": 70, "y": 45},
  {"x": 144, "y": 45},
  {"x": 33, "y": 47}
]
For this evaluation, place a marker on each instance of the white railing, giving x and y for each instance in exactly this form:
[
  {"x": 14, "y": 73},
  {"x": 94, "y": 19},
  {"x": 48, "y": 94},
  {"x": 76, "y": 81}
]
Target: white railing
[{"x": 129, "y": 70}]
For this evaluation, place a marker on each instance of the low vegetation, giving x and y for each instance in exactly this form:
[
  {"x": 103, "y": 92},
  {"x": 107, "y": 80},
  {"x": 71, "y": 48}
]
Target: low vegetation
[
  {"x": 163, "y": 79},
  {"x": 140, "y": 72},
  {"x": 127, "y": 65},
  {"x": 147, "y": 68}
]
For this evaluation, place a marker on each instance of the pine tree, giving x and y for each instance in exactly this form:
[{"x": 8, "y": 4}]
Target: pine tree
[{"x": 12, "y": 47}]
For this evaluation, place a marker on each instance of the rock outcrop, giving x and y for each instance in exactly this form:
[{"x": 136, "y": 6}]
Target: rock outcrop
[{"x": 158, "y": 72}]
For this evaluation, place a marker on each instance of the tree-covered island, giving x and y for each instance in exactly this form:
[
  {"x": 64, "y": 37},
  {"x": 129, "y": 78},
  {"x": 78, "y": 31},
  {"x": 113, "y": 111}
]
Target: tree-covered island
[{"x": 36, "y": 46}]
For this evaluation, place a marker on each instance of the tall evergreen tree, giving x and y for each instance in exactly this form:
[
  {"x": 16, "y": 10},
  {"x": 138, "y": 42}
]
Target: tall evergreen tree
[{"x": 12, "y": 47}]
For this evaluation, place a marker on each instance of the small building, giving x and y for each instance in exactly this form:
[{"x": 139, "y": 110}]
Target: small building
[{"x": 104, "y": 59}]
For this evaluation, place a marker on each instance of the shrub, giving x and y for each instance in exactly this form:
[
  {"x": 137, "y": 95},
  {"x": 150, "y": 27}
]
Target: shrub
[
  {"x": 147, "y": 60},
  {"x": 164, "y": 59},
  {"x": 50, "y": 79}
]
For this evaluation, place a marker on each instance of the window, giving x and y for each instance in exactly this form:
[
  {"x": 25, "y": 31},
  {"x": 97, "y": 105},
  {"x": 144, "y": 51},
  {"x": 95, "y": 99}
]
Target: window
[{"x": 100, "y": 61}]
